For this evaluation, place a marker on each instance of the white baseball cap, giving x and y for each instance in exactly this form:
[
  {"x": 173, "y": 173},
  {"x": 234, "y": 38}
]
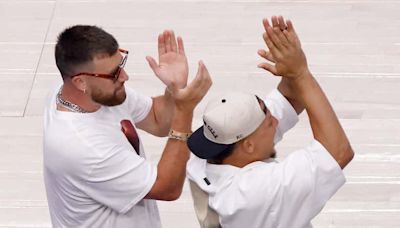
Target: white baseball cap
[{"x": 227, "y": 119}]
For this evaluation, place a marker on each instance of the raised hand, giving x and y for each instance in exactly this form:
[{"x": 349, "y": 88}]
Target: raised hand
[
  {"x": 172, "y": 69},
  {"x": 286, "y": 57},
  {"x": 191, "y": 95}
]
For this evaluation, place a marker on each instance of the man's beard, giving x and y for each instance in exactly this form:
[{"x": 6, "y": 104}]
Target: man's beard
[{"x": 116, "y": 98}]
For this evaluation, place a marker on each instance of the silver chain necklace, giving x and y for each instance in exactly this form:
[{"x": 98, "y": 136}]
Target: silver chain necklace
[{"x": 69, "y": 105}]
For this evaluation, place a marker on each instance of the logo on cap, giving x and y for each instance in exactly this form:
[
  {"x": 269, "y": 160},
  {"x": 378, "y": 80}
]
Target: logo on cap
[{"x": 211, "y": 130}]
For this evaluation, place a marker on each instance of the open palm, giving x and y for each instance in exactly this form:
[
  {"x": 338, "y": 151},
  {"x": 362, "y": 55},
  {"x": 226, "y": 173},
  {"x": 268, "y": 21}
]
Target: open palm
[
  {"x": 286, "y": 57},
  {"x": 172, "y": 69}
]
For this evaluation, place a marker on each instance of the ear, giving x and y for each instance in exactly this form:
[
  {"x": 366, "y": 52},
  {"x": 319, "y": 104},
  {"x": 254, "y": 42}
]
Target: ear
[
  {"x": 79, "y": 83},
  {"x": 248, "y": 146}
]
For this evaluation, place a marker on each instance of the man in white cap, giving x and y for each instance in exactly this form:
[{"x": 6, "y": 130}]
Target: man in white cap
[{"x": 234, "y": 167}]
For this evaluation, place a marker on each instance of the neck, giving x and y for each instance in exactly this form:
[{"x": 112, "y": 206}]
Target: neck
[
  {"x": 240, "y": 158},
  {"x": 235, "y": 162},
  {"x": 72, "y": 94}
]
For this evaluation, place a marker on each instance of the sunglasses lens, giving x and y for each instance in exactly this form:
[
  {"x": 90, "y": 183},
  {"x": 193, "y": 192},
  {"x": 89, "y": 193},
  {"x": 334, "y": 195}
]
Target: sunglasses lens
[
  {"x": 121, "y": 65},
  {"x": 117, "y": 73}
]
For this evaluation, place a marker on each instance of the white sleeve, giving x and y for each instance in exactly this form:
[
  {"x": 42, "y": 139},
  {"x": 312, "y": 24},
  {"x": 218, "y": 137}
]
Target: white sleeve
[
  {"x": 120, "y": 179},
  {"x": 283, "y": 111},
  {"x": 311, "y": 176},
  {"x": 138, "y": 105}
]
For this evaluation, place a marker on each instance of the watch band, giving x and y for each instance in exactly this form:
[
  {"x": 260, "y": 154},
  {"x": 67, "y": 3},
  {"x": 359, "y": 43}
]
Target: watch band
[{"x": 178, "y": 135}]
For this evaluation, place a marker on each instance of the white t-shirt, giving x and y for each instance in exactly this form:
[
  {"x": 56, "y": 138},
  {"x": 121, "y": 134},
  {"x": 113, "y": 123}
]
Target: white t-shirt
[
  {"x": 267, "y": 193},
  {"x": 93, "y": 176}
]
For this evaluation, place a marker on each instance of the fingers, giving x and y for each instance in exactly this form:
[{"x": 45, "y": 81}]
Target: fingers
[
  {"x": 200, "y": 74},
  {"x": 266, "y": 24},
  {"x": 174, "y": 47},
  {"x": 278, "y": 38},
  {"x": 275, "y": 36},
  {"x": 202, "y": 78},
  {"x": 266, "y": 55},
  {"x": 167, "y": 41},
  {"x": 282, "y": 37},
  {"x": 181, "y": 48},
  {"x": 275, "y": 22},
  {"x": 161, "y": 44},
  {"x": 273, "y": 49},
  {"x": 202, "y": 82},
  {"x": 291, "y": 33},
  {"x": 268, "y": 67},
  {"x": 196, "y": 90},
  {"x": 273, "y": 43},
  {"x": 278, "y": 22},
  {"x": 153, "y": 65},
  {"x": 285, "y": 55},
  {"x": 290, "y": 27},
  {"x": 271, "y": 46},
  {"x": 206, "y": 79},
  {"x": 282, "y": 24},
  {"x": 206, "y": 75}
]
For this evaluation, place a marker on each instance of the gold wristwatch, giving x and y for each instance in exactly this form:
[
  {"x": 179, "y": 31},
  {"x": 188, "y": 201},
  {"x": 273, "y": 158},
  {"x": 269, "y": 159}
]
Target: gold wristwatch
[{"x": 178, "y": 135}]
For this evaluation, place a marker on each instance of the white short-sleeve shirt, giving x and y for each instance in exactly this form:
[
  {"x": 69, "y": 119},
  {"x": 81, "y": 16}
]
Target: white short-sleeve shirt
[
  {"x": 267, "y": 193},
  {"x": 93, "y": 176}
]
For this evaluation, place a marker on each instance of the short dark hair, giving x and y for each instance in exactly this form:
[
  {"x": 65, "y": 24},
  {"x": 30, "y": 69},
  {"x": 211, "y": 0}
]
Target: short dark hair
[
  {"x": 224, "y": 154},
  {"x": 79, "y": 44}
]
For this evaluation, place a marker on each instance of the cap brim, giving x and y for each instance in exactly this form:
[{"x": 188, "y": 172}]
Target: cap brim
[{"x": 202, "y": 147}]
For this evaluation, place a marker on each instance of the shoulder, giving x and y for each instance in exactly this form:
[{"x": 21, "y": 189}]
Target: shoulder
[
  {"x": 134, "y": 96},
  {"x": 137, "y": 105}
]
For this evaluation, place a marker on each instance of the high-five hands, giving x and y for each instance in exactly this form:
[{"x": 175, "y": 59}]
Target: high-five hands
[
  {"x": 172, "y": 70},
  {"x": 192, "y": 94},
  {"x": 286, "y": 57}
]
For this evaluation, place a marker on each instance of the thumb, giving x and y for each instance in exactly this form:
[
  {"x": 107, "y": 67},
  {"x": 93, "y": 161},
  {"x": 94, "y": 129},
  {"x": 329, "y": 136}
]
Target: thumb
[
  {"x": 200, "y": 74},
  {"x": 153, "y": 64},
  {"x": 201, "y": 68}
]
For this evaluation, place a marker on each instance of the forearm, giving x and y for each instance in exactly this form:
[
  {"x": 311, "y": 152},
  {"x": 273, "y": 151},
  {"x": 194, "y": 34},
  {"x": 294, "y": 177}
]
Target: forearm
[
  {"x": 290, "y": 62},
  {"x": 286, "y": 88},
  {"x": 324, "y": 122},
  {"x": 163, "y": 113},
  {"x": 171, "y": 169}
]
